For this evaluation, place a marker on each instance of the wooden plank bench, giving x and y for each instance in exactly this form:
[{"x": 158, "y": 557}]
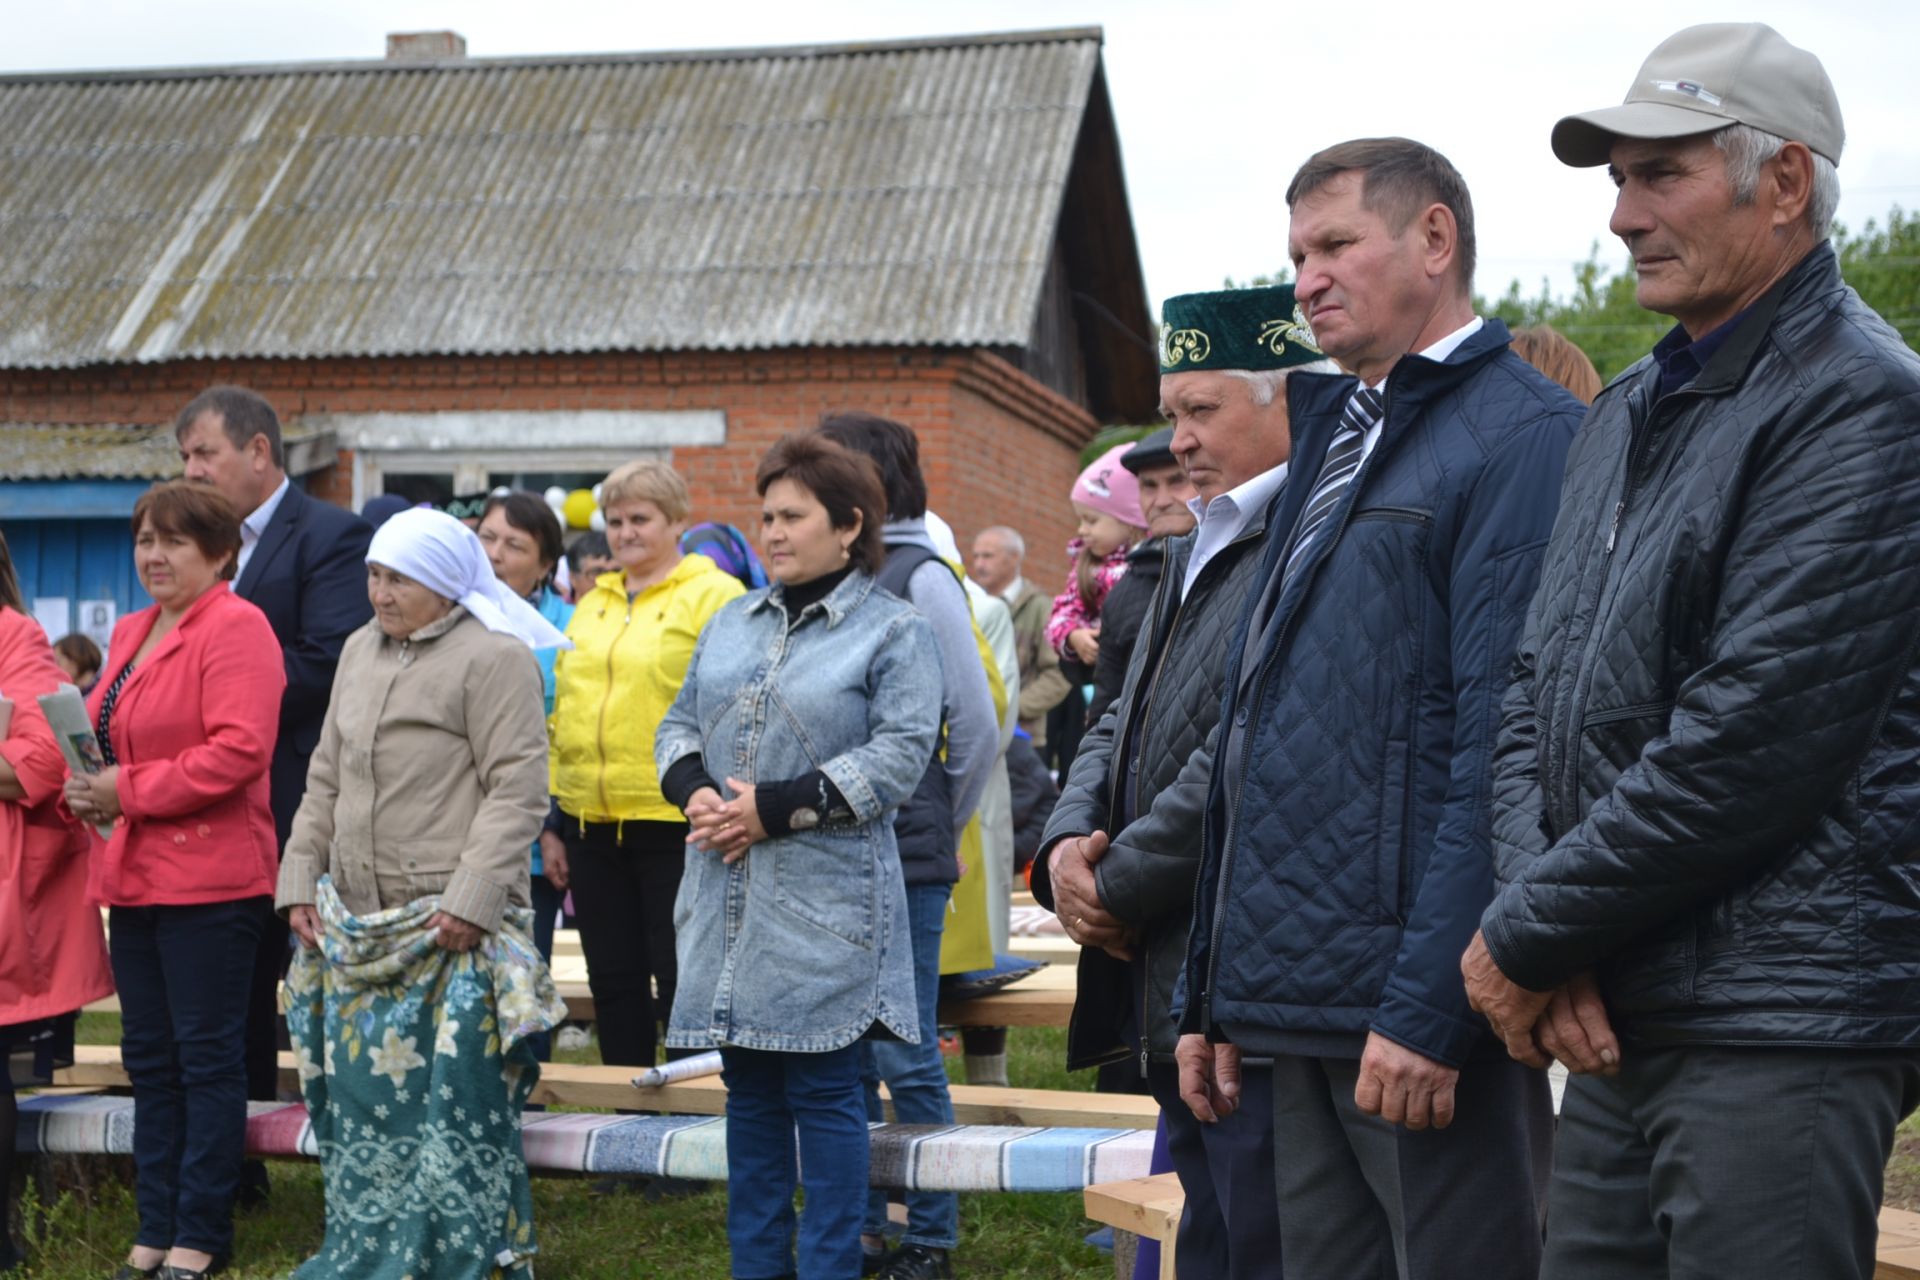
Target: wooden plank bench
[
  {"x": 1003, "y": 1139},
  {"x": 1150, "y": 1208},
  {"x": 611, "y": 1089},
  {"x": 1044, "y": 999}
]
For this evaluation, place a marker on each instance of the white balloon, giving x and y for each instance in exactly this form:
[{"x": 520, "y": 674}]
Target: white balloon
[
  {"x": 597, "y": 521},
  {"x": 556, "y": 497},
  {"x": 596, "y": 492}
]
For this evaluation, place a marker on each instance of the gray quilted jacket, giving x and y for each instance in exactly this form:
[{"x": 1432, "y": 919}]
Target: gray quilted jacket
[
  {"x": 1169, "y": 703},
  {"x": 1708, "y": 778}
]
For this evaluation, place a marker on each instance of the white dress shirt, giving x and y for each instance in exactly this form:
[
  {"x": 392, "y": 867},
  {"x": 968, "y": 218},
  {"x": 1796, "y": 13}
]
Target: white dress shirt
[
  {"x": 1438, "y": 353},
  {"x": 1223, "y": 519},
  {"x": 255, "y": 525}
]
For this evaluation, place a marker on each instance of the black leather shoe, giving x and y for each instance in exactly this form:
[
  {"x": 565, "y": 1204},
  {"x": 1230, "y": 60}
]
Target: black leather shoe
[{"x": 917, "y": 1262}]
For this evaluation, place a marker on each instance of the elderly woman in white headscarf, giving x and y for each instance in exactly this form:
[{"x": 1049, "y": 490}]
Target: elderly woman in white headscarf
[{"x": 405, "y": 877}]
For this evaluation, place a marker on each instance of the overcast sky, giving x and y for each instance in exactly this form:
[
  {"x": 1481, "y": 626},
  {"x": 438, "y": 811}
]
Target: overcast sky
[{"x": 1218, "y": 102}]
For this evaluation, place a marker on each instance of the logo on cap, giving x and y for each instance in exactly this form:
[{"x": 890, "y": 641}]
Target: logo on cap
[
  {"x": 1184, "y": 344},
  {"x": 1691, "y": 88},
  {"x": 1275, "y": 334}
]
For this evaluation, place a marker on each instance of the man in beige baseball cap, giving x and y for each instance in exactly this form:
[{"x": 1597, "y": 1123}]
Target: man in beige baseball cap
[{"x": 1707, "y": 781}]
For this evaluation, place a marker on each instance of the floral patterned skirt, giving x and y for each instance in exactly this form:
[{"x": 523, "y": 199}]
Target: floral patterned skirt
[{"x": 415, "y": 1066}]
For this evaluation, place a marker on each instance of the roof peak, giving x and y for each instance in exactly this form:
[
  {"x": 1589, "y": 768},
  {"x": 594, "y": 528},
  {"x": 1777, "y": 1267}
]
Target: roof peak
[{"x": 413, "y": 66}]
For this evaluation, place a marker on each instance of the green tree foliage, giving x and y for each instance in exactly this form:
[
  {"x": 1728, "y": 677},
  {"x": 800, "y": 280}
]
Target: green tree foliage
[
  {"x": 1602, "y": 318},
  {"x": 1883, "y": 263}
]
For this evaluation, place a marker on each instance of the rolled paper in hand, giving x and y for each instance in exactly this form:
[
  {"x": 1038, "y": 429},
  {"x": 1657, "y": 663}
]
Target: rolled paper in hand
[{"x": 704, "y": 1064}]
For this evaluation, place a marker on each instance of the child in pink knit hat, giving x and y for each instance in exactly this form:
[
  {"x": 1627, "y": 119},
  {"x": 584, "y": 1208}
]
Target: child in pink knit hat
[{"x": 1106, "y": 498}]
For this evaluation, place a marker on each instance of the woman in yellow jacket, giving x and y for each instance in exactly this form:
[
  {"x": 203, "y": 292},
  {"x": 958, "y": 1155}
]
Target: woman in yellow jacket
[{"x": 621, "y": 842}]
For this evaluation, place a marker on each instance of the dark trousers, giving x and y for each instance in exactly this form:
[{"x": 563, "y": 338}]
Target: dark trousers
[
  {"x": 1366, "y": 1200},
  {"x": 1700, "y": 1161},
  {"x": 266, "y": 1031},
  {"x": 546, "y": 913},
  {"x": 183, "y": 974},
  {"x": 625, "y": 878},
  {"x": 1229, "y": 1228}
]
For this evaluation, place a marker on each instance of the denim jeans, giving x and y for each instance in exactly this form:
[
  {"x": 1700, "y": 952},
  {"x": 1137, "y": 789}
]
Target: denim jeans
[
  {"x": 768, "y": 1095},
  {"x": 916, "y": 1077},
  {"x": 183, "y": 974}
]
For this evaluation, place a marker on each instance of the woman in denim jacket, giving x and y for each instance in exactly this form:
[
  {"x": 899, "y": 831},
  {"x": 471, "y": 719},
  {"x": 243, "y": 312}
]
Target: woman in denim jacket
[{"x": 817, "y": 700}]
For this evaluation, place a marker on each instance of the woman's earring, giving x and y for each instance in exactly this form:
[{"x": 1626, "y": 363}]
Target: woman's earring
[{"x": 845, "y": 554}]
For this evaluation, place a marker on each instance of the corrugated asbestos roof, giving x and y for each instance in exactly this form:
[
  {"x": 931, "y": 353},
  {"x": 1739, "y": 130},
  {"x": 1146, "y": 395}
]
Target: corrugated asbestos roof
[
  {"x": 850, "y": 195},
  {"x": 61, "y": 451},
  {"x": 38, "y": 451}
]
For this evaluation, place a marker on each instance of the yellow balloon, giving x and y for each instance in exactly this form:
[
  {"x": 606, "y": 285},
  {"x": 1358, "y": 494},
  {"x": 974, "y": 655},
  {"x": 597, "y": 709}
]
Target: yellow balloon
[{"x": 579, "y": 509}]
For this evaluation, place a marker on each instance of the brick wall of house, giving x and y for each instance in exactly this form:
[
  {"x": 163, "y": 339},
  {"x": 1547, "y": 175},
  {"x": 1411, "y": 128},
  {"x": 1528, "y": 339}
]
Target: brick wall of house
[{"x": 997, "y": 447}]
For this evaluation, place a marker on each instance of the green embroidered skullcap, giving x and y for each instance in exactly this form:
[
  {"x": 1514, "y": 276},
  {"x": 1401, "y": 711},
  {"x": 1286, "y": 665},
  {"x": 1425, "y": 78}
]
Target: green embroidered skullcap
[{"x": 1235, "y": 329}]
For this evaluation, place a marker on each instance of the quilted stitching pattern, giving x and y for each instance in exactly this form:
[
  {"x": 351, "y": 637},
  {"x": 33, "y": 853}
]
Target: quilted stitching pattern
[
  {"x": 1709, "y": 779},
  {"x": 1153, "y": 862},
  {"x": 1346, "y": 757}
]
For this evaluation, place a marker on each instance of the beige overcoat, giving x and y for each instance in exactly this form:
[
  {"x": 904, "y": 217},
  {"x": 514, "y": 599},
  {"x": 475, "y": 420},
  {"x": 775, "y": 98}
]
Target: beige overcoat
[{"x": 430, "y": 776}]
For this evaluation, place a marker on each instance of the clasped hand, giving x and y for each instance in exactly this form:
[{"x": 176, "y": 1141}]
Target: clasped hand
[
  {"x": 1568, "y": 1024},
  {"x": 726, "y": 827},
  {"x": 94, "y": 797},
  {"x": 1076, "y": 896}
]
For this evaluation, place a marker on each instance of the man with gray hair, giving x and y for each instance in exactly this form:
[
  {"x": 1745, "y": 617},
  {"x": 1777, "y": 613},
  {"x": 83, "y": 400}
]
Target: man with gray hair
[
  {"x": 1119, "y": 857},
  {"x": 1707, "y": 782},
  {"x": 998, "y": 554}
]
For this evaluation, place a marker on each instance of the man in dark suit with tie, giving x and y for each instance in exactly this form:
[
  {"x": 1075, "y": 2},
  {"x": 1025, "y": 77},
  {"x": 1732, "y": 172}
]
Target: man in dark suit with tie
[
  {"x": 303, "y": 564},
  {"x": 1346, "y": 852}
]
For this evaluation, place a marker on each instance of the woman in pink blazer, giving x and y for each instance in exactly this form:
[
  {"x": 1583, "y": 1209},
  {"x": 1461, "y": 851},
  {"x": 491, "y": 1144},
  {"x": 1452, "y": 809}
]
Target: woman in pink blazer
[
  {"x": 185, "y": 716},
  {"x": 52, "y": 958}
]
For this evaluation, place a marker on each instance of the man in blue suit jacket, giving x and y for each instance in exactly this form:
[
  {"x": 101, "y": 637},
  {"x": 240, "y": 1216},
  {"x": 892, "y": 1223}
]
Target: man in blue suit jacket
[
  {"x": 1346, "y": 849},
  {"x": 303, "y": 564}
]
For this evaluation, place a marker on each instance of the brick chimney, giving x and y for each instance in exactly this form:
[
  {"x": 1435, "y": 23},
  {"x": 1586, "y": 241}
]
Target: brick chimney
[{"x": 422, "y": 46}]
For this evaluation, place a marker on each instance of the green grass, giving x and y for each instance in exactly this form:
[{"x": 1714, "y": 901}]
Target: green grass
[{"x": 83, "y": 1234}]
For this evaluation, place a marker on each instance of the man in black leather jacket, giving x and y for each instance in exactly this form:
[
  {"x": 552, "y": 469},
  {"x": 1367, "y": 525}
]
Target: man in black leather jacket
[
  {"x": 1707, "y": 785},
  {"x": 1141, "y": 774}
]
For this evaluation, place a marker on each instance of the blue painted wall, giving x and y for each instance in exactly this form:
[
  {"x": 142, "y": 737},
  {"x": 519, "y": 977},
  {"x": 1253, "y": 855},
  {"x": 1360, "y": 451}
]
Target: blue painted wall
[{"x": 78, "y": 559}]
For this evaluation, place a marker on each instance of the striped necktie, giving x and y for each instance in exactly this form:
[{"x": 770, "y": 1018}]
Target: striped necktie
[{"x": 1344, "y": 457}]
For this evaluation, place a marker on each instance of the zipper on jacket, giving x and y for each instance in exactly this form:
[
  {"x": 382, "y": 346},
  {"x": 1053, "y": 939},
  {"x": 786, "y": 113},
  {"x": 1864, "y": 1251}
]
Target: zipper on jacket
[
  {"x": 1124, "y": 723},
  {"x": 1237, "y": 785},
  {"x": 1640, "y": 418},
  {"x": 1637, "y": 447},
  {"x": 606, "y": 802}
]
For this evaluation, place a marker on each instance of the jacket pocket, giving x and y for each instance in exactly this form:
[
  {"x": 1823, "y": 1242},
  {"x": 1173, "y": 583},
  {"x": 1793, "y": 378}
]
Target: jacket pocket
[
  {"x": 826, "y": 880},
  {"x": 427, "y": 864},
  {"x": 1612, "y": 739}
]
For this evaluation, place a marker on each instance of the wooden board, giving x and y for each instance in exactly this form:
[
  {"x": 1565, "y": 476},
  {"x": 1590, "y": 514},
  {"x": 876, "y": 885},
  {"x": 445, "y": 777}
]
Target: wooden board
[
  {"x": 1148, "y": 1207},
  {"x": 611, "y": 1088},
  {"x": 1899, "y": 1251},
  {"x": 1044, "y": 999}
]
